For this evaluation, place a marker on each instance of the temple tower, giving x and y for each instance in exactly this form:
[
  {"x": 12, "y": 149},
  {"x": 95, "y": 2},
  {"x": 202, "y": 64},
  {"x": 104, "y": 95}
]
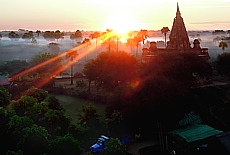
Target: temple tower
[{"x": 178, "y": 38}]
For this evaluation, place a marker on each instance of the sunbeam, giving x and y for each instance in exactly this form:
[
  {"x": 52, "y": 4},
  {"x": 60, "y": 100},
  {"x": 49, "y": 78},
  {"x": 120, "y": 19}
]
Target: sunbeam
[{"x": 56, "y": 72}]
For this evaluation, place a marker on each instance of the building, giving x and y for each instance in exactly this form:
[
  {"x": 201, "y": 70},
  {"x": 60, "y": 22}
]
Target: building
[
  {"x": 195, "y": 137},
  {"x": 178, "y": 41}
]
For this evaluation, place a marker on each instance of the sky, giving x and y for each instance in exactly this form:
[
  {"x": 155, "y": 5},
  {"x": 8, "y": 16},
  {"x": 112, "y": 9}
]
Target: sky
[{"x": 99, "y": 15}]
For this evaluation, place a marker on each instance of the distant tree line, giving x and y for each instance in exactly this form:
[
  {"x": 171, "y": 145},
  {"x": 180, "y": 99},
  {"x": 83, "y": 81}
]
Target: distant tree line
[{"x": 216, "y": 32}]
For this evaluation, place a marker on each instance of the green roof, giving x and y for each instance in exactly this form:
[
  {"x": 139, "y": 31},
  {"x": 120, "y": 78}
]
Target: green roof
[
  {"x": 190, "y": 118},
  {"x": 195, "y": 132}
]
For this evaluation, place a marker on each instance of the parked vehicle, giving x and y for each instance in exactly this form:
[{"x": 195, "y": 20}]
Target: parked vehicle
[{"x": 100, "y": 144}]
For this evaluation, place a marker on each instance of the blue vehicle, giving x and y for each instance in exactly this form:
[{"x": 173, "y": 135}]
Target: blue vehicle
[{"x": 100, "y": 144}]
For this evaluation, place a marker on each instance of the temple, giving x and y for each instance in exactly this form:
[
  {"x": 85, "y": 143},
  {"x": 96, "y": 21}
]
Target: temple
[{"x": 178, "y": 41}]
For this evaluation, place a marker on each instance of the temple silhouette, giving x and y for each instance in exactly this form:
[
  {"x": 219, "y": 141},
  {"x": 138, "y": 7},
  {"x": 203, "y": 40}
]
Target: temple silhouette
[{"x": 178, "y": 41}]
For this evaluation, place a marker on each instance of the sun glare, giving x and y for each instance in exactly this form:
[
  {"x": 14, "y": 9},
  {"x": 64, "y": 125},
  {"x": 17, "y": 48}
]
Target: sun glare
[{"x": 122, "y": 23}]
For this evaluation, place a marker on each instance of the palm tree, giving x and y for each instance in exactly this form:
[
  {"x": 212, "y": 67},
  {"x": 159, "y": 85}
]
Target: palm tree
[
  {"x": 117, "y": 36},
  {"x": 109, "y": 31},
  {"x": 87, "y": 43},
  {"x": 71, "y": 54},
  {"x": 143, "y": 34},
  {"x": 130, "y": 42},
  {"x": 38, "y": 33},
  {"x": 95, "y": 35},
  {"x": 137, "y": 39},
  {"x": 165, "y": 30}
]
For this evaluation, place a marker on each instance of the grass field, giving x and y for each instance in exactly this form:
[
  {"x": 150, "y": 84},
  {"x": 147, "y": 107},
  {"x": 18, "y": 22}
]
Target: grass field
[{"x": 72, "y": 105}]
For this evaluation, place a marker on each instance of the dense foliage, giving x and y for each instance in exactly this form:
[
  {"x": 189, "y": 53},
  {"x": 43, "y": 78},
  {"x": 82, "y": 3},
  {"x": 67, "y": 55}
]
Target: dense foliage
[
  {"x": 37, "y": 121},
  {"x": 12, "y": 67},
  {"x": 46, "y": 62},
  {"x": 111, "y": 69},
  {"x": 137, "y": 97},
  {"x": 223, "y": 63},
  {"x": 5, "y": 97}
]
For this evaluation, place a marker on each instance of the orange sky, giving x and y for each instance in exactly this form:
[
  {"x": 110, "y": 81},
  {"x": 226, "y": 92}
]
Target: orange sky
[{"x": 98, "y": 15}]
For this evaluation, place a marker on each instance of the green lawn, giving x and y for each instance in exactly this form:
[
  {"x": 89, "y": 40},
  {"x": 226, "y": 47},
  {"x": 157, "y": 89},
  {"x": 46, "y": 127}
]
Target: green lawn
[{"x": 73, "y": 104}]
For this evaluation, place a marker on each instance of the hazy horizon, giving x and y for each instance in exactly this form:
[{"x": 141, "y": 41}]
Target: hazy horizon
[{"x": 102, "y": 30}]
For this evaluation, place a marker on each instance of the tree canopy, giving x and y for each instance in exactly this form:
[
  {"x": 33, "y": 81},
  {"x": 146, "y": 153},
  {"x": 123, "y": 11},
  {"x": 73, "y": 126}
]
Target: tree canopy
[
  {"x": 12, "y": 67},
  {"x": 223, "y": 63},
  {"x": 46, "y": 62},
  {"x": 112, "y": 69},
  {"x": 76, "y": 35},
  {"x": 52, "y": 35}
]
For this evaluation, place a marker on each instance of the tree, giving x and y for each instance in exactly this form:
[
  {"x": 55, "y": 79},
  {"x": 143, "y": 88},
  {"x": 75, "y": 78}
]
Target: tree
[
  {"x": 90, "y": 71},
  {"x": 37, "y": 93},
  {"x": 86, "y": 42},
  {"x": 164, "y": 31},
  {"x": 117, "y": 36},
  {"x": 10, "y": 152},
  {"x": 44, "y": 67},
  {"x": 137, "y": 39},
  {"x": 54, "y": 48},
  {"x": 28, "y": 35},
  {"x": 179, "y": 67},
  {"x": 88, "y": 116},
  {"x": 76, "y": 35},
  {"x": 38, "y": 33},
  {"x": 107, "y": 38},
  {"x": 34, "y": 41},
  {"x": 223, "y": 63},
  {"x": 114, "y": 121},
  {"x": 114, "y": 147},
  {"x": 27, "y": 136},
  {"x": 17, "y": 124},
  {"x": 112, "y": 69},
  {"x": 58, "y": 34},
  {"x": 14, "y": 66},
  {"x": 71, "y": 54},
  {"x": 5, "y": 97},
  {"x": 53, "y": 103},
  {"x": 46, "y": 63},
  {"x": 22, "y": 105},
  {"x": 14, "y": 36},
  {"x": 95, "y": 35},
  {"x": 49, "y": 35},
  {"x": 34, "y": 138},
  {"x": 65, "y": 145},
  {"x": 223, "y": 44},
  {"x": 130, "y": 42},
  {"x": 143, "y": 34}
]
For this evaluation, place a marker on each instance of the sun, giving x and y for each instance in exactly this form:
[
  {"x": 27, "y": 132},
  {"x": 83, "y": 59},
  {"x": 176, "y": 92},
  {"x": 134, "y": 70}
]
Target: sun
[{"x": 122, "y": 23}]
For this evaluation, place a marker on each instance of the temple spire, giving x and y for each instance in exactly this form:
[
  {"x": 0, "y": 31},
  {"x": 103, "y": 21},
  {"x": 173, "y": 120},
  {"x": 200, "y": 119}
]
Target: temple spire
[
  {"x": 178, "y": 10},
  {"x": 178, "y": 38}
]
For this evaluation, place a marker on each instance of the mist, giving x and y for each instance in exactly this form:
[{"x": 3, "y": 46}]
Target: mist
[{"x": 25, "y": 50}]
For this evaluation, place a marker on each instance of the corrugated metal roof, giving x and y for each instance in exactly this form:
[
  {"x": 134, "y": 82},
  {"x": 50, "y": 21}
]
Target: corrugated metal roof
[
  {"x": 195, "y": 132},
  {"x": 190, "y": 118}
]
